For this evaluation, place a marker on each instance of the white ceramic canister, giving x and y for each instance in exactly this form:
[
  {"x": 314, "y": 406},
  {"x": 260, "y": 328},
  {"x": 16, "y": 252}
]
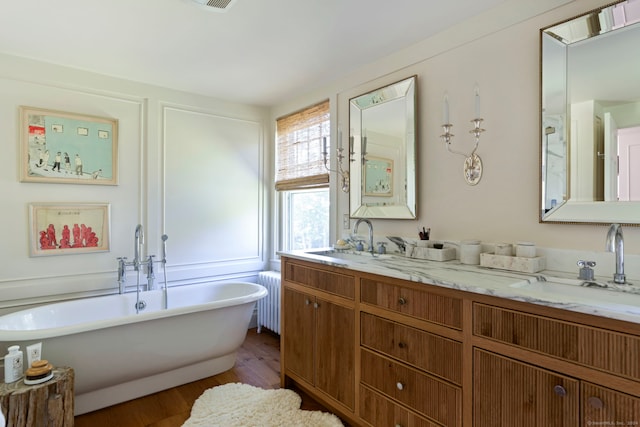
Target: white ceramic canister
[
  {"x": 525, "y": 249},
  {"x": 504, "y": 249},
  {"x": 470, "y": 252}
]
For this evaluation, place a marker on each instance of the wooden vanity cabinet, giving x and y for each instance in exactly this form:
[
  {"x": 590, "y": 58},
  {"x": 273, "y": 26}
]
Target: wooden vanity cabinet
[
  {"x": 380, "y": 351},
  {"x": 523, "y": 392},
  {"x": 318, "y": 329}
]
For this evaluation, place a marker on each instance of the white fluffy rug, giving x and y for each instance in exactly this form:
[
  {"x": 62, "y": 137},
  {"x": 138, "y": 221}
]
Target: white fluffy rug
[{"x": 243, "y": 405}]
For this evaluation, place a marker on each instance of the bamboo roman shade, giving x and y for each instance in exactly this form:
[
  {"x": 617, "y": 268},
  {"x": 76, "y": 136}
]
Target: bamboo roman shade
[{"x": 299, "y": 146}]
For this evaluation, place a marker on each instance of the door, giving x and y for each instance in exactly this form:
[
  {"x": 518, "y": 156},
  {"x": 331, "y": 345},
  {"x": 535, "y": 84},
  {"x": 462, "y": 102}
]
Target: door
[
  {"x": 298, "y": 333},
  {"x": 507, "y": 392},
  {"x": 629, "y": 164},
  {"x": 335, "y": 351}
]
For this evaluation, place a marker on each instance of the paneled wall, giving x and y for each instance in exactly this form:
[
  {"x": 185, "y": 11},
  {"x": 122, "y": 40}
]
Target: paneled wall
[{"x": 189, "y": 166}]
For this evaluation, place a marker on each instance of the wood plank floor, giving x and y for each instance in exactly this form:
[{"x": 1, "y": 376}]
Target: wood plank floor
[{"x": 258, "y": 364}]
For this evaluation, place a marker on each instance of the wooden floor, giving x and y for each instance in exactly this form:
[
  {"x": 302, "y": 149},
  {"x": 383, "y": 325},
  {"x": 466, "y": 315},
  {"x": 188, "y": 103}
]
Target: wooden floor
[{"x": 258, "y": 364}]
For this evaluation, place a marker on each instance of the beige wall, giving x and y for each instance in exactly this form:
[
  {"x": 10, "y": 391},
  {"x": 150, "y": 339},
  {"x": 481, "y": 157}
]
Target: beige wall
[{"x": 500, "y": 52}]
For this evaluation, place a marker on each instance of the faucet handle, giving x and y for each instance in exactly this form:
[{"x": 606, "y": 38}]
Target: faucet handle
[
  {"x": 583, "y": 264},
  {"x": 586, "y": 271}
]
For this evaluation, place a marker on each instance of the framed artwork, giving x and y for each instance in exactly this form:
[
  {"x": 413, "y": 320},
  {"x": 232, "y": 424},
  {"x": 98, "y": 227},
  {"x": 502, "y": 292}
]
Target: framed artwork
[
  {"x": 68, "y": 228},
  {"x": 67, "y": 148},
  {"x": 378, "y": 177}
]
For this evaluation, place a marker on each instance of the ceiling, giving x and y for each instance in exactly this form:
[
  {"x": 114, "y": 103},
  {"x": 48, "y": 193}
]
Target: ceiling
[{"x": 254, "y": 52}]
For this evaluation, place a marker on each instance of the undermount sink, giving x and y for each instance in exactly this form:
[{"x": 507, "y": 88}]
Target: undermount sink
[
  {"x": 349, "y": 254},
  {"x": 569, "y": 291}
]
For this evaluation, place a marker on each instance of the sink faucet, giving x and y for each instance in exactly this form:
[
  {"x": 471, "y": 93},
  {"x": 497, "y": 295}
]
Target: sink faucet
[
  {"x": 138, "y": 242},
  {"x": 355, "y": 231},
  {"x": 615, "y": 244}
]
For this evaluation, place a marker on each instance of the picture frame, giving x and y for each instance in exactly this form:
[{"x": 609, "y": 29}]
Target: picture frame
[
  {"x": 69, "y": 228},
  {"x": 67, "y": 148},
  {"x": 378, "y": 177}
]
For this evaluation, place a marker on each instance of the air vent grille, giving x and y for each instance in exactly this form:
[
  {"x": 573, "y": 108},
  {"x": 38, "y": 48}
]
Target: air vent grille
[
  {"x": 219, "y": 4},
  {"x": 216, "y": 5}
]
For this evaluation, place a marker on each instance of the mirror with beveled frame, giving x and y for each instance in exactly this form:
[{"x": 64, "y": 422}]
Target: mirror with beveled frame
[
  {"x": 382, "y": 142},
  {"x": 590, "y": 118}
]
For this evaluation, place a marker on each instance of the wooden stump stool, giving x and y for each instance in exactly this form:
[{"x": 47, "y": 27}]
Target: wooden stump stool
[{"x": 48, "y": 404}]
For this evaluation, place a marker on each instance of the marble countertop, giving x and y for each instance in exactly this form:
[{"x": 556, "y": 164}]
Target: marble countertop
[{"x": 549, "y": 288}]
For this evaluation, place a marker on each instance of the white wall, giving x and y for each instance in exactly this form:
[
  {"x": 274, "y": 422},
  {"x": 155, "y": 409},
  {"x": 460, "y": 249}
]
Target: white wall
[
  {"x": 500, "y": 52},
  {"x": 189, "y": 166}
]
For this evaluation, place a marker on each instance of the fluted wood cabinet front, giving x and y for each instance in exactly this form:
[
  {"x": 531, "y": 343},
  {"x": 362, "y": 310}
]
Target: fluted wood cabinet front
[
  {"x": 318, "y": 329},
  {"x": 510, "y": 393}
]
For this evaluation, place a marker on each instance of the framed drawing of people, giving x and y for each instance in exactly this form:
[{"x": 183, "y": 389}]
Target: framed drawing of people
[
  {"x": 68, "y": 228},
  {"x": 378, "y": 177},
  {"x": 67, "y": 148}
]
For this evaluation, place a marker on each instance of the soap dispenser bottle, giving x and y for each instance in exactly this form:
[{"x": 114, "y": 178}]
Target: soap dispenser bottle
[{"x": 13, "y": 365}]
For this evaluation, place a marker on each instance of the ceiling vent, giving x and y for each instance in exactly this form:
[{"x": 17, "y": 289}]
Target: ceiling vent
[{"x": 216, "y": 5}]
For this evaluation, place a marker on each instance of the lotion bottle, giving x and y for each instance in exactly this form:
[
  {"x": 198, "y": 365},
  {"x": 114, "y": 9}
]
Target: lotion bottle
[{"x": 13, "y": 365}]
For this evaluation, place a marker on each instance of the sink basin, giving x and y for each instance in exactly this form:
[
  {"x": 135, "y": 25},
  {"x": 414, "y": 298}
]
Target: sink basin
[
  {"x": 349, "y": 255},
  {"x": 557, "y": 289}
]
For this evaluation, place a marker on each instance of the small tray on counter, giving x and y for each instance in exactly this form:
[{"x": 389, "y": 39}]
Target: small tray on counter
[
  {"x": 513, "y": 263},
  {"x": 433, "y": 254}
]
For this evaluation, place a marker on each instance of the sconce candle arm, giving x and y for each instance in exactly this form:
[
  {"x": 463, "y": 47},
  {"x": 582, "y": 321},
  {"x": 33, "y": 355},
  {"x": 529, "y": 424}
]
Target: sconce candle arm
[{"x": 344, "y": 174}]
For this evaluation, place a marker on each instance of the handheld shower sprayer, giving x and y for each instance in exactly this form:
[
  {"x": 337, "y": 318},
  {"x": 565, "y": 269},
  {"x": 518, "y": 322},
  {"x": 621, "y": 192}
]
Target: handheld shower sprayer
[
  {"x": 137, "y": 247},
  {"x": 165, "y": 301}
]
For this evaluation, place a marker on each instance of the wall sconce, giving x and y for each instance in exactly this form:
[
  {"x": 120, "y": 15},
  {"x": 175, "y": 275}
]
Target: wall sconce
[
  {"x": 472, "y": 166},
  {"x": 344, "y": 174}
]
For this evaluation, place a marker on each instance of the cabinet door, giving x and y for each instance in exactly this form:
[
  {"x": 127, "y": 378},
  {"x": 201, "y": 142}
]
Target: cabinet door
[
  {"x": 602, "y": 406},
  {"x": 510, "y": 393},
  {"x": 298, "y": 336},
  {"x": 335, "y": 351}
]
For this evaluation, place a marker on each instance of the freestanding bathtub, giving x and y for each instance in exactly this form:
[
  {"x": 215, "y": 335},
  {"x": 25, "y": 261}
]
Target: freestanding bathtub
[{"x": 118, "y": 355}]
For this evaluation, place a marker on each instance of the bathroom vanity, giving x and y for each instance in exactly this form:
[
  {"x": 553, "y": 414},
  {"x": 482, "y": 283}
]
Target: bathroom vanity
[{"x": 404, "y": 342}]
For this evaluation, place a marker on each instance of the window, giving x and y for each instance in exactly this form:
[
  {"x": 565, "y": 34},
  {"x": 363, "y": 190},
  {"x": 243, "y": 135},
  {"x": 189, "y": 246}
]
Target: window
[
  {"x": 302, "y": 179},
  {"x": 305, "y": 219}
]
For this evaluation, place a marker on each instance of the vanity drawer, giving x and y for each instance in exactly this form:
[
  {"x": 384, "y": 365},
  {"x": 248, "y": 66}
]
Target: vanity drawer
[
  {"x": 433, "y": 353},
  {"x": 318, "y": 278},
  {"x": 377, "y": 410},
  {"x": 420, "y": 304},
  {"x": 427, "y": 395},
  {"x": 588, "y": 346}
]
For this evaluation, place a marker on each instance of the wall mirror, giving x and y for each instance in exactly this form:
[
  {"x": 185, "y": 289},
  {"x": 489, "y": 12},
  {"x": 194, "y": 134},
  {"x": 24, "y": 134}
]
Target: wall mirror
[
  {"x": 382, "y": 140},
  {"x": 590, "y": 121}
]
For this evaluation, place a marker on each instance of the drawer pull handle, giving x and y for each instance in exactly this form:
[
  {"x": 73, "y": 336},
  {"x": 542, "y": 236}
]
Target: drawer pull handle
[
  {"x": 307, "y": 302},
  {"x": 402, "y": 345},
  {"x": 398, "y": 425},
  {"x": 399, "y": 385},
  {"x": 560, "y": 391},
  {"x": 402, "y": 301},
  {"x": 594, "y": 402},
  {"x": 316, "y": 305}
]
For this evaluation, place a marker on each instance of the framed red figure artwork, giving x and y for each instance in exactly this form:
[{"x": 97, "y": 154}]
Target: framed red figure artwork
[{"x": 68, "y": 228}]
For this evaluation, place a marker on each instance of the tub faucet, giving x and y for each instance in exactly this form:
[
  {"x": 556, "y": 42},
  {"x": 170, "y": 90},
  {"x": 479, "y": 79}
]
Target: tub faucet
[
  {"x": 355, "y": 231},
  {"x": 150, "y": 274},
  {"x": 122, "y": 274},
  {"x": 615, "y": 244},
  {"x": 137, "y": 247}
]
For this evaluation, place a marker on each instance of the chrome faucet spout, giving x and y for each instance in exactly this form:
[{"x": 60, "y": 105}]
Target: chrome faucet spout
[
  {"x": 137, "y": 247},
  {"x": 370, "y": 226},
  {"x": 615, "y": 244}
]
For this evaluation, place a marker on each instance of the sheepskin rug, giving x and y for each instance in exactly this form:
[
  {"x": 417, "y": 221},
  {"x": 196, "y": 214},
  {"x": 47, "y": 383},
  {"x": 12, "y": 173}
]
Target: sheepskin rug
[{"x": 243, "y": 405}]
